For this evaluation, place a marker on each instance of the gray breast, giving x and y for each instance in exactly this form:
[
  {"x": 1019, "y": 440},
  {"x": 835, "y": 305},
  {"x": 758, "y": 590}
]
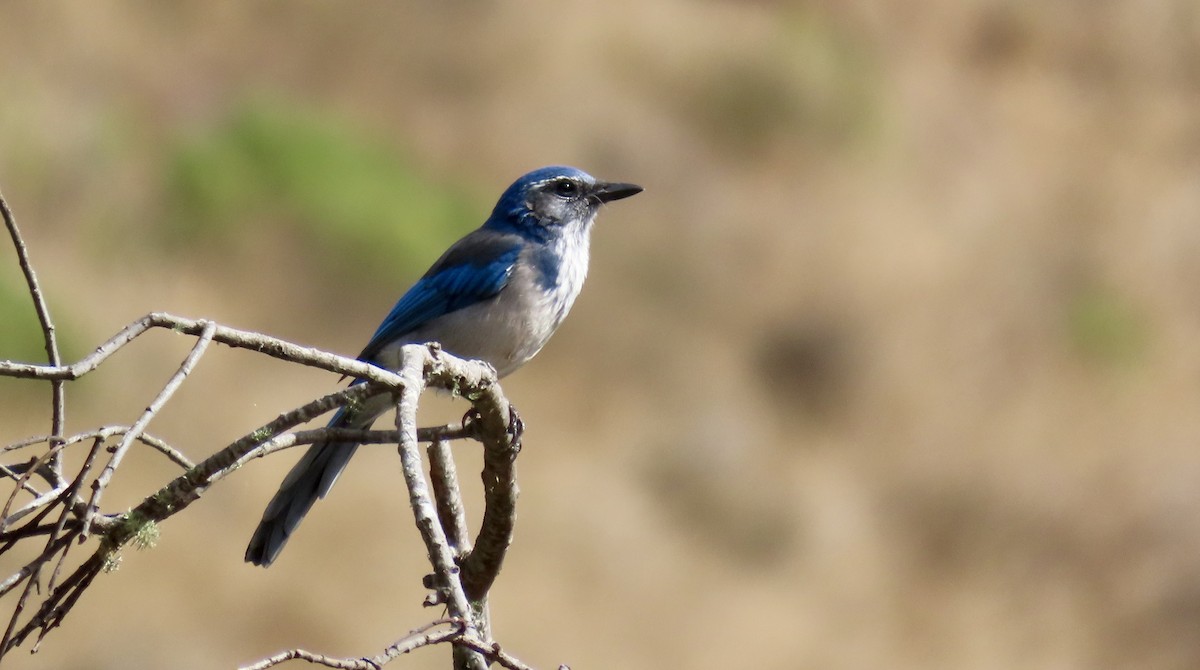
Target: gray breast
[{"x": 509, "y": 329}]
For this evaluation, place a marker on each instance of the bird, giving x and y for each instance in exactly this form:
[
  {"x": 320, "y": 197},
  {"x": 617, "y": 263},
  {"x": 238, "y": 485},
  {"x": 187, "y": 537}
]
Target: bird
[{"x": 496, "y": 295}]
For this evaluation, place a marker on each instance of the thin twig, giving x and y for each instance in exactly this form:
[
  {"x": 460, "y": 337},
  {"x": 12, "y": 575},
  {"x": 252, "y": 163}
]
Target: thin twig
[
  {"x": 9, "y": 537},
  {"x": 232, "y": 337},
  {"x": 106, "y": 432},
  {"x": 30, "y": 567},
  {"x": 356, "y": 435},
  {"x": 86, "y": 518},
  {"x": 161, "y": 399},
  {"x": 20, "y": 474},
  {"x": 36, "y": 465},
  {"x": 58, "y": 391},
  {"x": 421, "y": 637},
  {"x": 52, "y": 611},
  {"x": 30, "y": 507},
  {"x": 53, "y": 546}
]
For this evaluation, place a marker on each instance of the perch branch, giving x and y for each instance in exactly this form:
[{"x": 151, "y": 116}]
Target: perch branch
[{"x": 441, "y": 556}]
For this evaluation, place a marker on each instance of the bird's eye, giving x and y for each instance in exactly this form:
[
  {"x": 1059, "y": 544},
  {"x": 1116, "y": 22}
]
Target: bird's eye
[{"x": 566, "y": 188}]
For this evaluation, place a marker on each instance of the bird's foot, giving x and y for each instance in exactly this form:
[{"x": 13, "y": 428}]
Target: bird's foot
[{"x": 472, "y": 421}]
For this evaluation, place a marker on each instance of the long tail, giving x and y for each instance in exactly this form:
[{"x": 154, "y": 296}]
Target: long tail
[{"x": 310, "y": 479}]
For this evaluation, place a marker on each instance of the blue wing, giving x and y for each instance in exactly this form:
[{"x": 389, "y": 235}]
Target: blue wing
[{"x": 476, "y": 268}]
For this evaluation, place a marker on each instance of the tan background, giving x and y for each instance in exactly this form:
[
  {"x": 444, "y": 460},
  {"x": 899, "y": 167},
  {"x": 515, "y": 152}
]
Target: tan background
[{"x": 895, "y": 364}]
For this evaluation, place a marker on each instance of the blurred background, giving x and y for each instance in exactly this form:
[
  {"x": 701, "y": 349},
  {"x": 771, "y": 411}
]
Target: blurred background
[{"x": 895, "y": 364}]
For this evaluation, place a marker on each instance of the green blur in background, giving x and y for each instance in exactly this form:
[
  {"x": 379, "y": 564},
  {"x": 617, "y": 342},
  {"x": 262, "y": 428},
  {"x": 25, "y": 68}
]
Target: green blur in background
[{"x": 351, "y": 199}]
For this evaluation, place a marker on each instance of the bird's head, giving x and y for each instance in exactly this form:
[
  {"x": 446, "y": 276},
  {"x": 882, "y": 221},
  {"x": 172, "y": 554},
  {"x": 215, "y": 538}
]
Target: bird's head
[{"x": 556, "y": 199}]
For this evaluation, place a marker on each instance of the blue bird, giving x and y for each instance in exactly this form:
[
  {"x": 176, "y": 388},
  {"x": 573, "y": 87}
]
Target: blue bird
[{"x": 496, "y": 295}]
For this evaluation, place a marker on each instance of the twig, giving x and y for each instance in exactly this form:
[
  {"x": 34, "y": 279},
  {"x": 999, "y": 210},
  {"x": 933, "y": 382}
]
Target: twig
[
  {"x": 86, "y": 517},
  {"x": 54, "y": 543},
  {"x": 36, "y": 465},
  {"x": 106, "y": 432},
  {"x": 30, "y": 567},
  {"x": 53, "y": 546},
  {"x": 52, "y": 612},
  {"x": 232, "y": 337},
  {"x": 443, "y": 479},
  {"x": 161, "y": 399},
  {"x": 58, "y": 416},
  {"x": 424, "y": 636},
  {"x": 20, "y": 475},
  {"x": 359, "y": 436},
  {"x": 493, "y": 651},
  {"x": 421, "y": 637},
  {"x": 30, "y": 507}
]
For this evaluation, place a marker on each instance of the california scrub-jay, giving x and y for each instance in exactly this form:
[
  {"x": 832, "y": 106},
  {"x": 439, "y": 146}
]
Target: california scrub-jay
[{"x": 496, "y": 295}]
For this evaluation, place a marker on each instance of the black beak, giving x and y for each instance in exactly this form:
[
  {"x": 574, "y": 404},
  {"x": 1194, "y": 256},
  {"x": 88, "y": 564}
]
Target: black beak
[{"x": 607, "y": 192}]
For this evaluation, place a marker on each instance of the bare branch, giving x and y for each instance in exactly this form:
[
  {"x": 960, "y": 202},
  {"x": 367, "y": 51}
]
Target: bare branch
[
  {"x": 161, "y": 399},
  {"x": 441, "y": 556},
  {"x": 20, "y": 474},
  {"x": 168, "y": 501},
  {"x": 501, "y": 438},
  {"x": 357, "y": 435},
  {"x": 443, "y": 477},
  {"x": 30, "y": 507},
  {"x": 29, "y": 568},
  {"x": 58, "y": 400},
  {"x": 102, "y": 434},
  {"x": 493, "y": 651},
  {"x": 232, "y": 337},
  {"x": 105, "y": 432},
  {"x": 55, "y": 543},
  {"x": 421, "y": 637}
]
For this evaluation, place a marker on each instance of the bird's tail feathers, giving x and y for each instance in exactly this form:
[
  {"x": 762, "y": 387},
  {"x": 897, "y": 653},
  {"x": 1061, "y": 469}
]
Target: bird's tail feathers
[{"x": 310, "y": 479}]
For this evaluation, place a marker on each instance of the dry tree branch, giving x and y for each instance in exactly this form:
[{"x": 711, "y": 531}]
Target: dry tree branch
[
  {"x": 430, "y": 366},
  {"x": 441, "y": 555},
  {"x": 161, "y": 399},
  {"x": 463, "y": 573},
  {"x": 106, "y": 432},
  {"x": 421, "y": 637},
  {"x": 443, "y": 478},
  {"x": 58, "y": 390}
]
